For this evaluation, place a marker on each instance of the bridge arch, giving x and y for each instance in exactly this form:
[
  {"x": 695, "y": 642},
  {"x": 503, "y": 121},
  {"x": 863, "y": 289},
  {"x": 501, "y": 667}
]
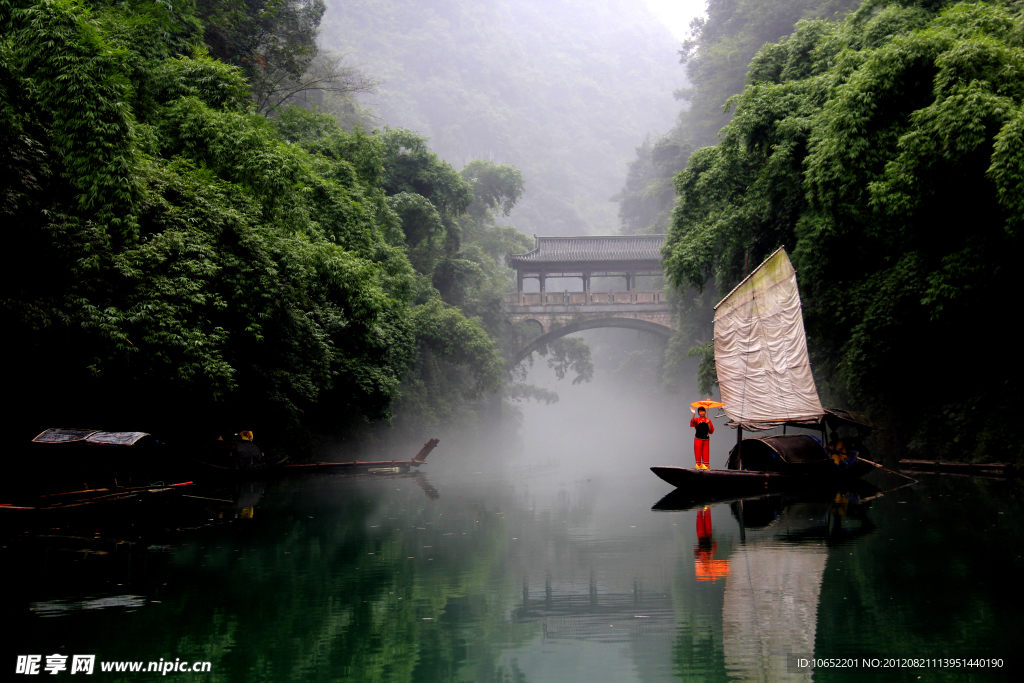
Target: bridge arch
[
  {"x": 572, "y": 327},
  {"x": 535, "y": 321}
]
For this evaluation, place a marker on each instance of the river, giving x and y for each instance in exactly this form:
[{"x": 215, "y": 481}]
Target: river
[{"x": 487, "y": 568}]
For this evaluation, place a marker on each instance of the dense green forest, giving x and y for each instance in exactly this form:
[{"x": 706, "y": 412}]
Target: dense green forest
[
  {"x": 561, "y": 89},
  {"x": 203, "y": 238},
  {"x": 884, "y": 151},
  {"x": 192, "y": 251}
]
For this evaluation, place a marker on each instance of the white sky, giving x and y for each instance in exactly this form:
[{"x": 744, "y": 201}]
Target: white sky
[{"x": 676, "y": 14}]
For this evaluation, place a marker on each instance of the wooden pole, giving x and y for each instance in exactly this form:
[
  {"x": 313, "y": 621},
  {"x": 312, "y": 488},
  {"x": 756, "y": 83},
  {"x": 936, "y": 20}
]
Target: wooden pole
[
  {"x": 739, "y": 448},
  {"x": 425, "y": 451}
]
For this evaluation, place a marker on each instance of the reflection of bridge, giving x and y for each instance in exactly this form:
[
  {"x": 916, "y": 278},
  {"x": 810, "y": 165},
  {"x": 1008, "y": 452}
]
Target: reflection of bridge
[
  {"x": 560, "y": 313},
  {"x": 608, "y": 617}
]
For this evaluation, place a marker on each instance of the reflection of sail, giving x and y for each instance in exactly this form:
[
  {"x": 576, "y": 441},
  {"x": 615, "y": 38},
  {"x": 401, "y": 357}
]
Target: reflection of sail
[{"x": 771, "y": 610}]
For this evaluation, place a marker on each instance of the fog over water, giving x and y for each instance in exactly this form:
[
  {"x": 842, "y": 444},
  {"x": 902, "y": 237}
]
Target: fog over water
[
  {"x": 532, "y": 553},
  {"x": 623, "y": 418}
]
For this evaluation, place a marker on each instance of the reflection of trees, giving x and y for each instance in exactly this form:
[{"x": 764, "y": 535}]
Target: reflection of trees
[
  {"x": 697, "y": 652},
  {"x": 933, "y": 569},
  {"x": 770, "y": 602},
  {"x": 308, "y": 589},
  {"x": 941, "y": 574}
]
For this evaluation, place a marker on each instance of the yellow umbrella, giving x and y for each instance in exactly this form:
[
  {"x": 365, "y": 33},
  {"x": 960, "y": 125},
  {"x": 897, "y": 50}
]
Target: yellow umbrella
[{"x": 707, "y": 403}]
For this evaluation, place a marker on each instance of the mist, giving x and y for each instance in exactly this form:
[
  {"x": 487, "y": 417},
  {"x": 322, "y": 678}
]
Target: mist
[
  {"x": 623, "y": 419},
  {"x": 564, "y": 91}
]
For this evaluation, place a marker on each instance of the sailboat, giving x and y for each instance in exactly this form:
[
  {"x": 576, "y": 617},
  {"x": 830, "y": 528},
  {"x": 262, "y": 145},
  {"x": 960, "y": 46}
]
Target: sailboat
[{"x": 764, "y": 374}]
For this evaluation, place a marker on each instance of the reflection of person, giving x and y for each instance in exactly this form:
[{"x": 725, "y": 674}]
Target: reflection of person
[
  {"x": 705, "y": 564},
  {"x": 702, "y": 437},
  {"x": 705, "y": 540}
]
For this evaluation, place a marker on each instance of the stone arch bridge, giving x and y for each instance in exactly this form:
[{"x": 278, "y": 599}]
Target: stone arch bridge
[{"x": 561, "y": 313}]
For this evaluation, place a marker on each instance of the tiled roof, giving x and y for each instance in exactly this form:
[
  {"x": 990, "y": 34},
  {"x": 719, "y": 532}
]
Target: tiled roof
[{"x": 594, "y": 248}]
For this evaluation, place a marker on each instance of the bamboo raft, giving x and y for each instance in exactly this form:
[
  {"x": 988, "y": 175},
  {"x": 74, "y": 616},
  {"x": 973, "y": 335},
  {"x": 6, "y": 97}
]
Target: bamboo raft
[
  {"x": 969, "y": 468},
  {"x": 96, "y": 498}
]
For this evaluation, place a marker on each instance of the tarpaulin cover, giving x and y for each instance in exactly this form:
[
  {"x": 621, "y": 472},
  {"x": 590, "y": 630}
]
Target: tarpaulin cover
[
  {"x": 764, "y": 372},
  {"x": 59, "y": 435},
  {"x": 116, "y": 438}
]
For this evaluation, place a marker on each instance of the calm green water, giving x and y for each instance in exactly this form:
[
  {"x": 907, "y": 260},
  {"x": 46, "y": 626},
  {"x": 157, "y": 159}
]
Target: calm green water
[{"x": 530, "y": 571}]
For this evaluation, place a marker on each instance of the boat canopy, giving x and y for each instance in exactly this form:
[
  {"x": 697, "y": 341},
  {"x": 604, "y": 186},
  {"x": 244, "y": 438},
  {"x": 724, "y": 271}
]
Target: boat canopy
[
  {"x": 834, "y": 417},
  {"x": 64, "y": 435},
  {"x": 774, "y": 453},
  {"x": 764, "y": 372},
  {"x": 116, "y": 438}
]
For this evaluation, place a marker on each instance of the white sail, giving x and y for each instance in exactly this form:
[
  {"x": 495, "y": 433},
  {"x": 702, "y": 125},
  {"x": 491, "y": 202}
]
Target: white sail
[{"x": 764, "y": 373}]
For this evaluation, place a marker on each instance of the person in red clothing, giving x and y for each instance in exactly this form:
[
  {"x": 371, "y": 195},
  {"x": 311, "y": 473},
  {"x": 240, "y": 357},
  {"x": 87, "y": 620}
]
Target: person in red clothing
[{"x": 702, "y": 437}]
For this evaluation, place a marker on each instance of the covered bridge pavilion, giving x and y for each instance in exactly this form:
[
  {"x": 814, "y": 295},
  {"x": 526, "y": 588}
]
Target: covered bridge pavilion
[{"x": 588, "y": 256}]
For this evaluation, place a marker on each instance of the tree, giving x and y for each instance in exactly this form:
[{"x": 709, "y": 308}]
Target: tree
[
  {"x": 274, "y": 42},
  {"x": 717, "y": 56},
  {"x": 884, "y": 153},
  {"x": 176, "y": 248}
]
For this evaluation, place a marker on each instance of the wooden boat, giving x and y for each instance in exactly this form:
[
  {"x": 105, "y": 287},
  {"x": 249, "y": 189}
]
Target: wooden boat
[
  {"x": 370, "y": 466},
  {"x": 64, "y": 459},
  {"x": 231, "y": 468},
  {"x": 236, "y": 458},
  {"x": 95, "y": 500},
  {"x": 991, "y": 469},
  {"x": 764, "y": 374},
  {"x": 784, "y": 475}
]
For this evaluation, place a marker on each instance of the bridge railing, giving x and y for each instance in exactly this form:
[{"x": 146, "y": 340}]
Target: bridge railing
[{"x": 584, "y": 298}]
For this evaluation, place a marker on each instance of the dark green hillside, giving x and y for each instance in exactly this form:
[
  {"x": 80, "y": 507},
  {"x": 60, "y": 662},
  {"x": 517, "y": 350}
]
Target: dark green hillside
[
  {"x": 715, "y": 60},
  {"x": 884, "y": 152},
  {"x": 178, "y": 261}
]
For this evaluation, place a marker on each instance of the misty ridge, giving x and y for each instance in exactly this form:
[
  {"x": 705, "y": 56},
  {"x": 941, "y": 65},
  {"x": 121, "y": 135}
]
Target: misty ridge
[{"x": 562, "y": 90}]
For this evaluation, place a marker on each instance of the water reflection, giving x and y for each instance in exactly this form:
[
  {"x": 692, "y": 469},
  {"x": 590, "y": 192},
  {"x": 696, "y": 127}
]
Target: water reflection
[
  {"x": 770, "y": 607},
  {"x": 529, "y": 574},
  {"x": 834, "y": 519},
  {"x": 773, "y": 576},
  {"x": 706, "y": 566},
  {"x": 599, "y": 616}
]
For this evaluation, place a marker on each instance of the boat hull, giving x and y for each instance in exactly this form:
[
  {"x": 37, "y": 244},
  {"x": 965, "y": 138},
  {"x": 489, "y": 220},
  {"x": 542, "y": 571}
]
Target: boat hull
[
  {"x": 741, "y": 482},
  {"x": 210, "y": 470},
  {"x": 92, "y": 506},
  {"x": 358, "y": 467}
]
